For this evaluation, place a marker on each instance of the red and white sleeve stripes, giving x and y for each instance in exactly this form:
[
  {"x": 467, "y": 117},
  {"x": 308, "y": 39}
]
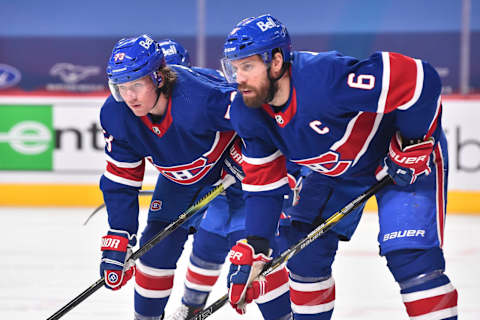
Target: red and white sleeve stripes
[
  {"x": 128, "y": 173},
  {"x": 264, "y": 174}
]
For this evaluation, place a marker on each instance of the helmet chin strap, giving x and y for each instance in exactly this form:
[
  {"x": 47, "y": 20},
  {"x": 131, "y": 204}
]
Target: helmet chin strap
[
  {"x": 273, "y": 81},
  {"x": 156, "y": 100}
]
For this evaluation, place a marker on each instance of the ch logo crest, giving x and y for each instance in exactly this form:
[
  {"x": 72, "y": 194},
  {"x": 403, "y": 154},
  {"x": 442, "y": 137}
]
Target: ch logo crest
[{"x": 328, "y": 164}]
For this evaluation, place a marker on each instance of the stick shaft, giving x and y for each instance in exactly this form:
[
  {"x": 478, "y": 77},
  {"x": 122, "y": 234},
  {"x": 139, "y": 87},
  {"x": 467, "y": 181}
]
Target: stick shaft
[
  {"x": 197, "y": 206},
  {"x": 312, "y": 236}
]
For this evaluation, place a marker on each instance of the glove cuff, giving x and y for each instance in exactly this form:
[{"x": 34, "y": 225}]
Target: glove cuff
[
  {"x": 132, "y": 238},
  {"x": 259, "y": 244},
  {"x": 244, "y": 254}
]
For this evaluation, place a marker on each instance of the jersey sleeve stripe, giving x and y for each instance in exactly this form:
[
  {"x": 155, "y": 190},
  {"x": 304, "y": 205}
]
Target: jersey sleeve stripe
[
  {"x": 266, "y": 176},
  {"x": 265, "y": 187},
  {"x": 385, "y": 82},
  {"x": 222, "y": 141},
  {"x": 440, "y": 192},
  {"x": 403, "y": 82},
  {"x": 261, "y": 161},
  {"x": 121, "y": 180},
  {"x": 360, "y": 131},
  {"x": 121, "y": 164},
  {"x": 418, "y": 86},
  {"x": 129, "y": 176},
  {"x": 434, "y": 123}
]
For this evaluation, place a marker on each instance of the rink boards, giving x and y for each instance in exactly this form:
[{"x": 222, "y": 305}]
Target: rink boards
[{"x": 52, "y": 152}]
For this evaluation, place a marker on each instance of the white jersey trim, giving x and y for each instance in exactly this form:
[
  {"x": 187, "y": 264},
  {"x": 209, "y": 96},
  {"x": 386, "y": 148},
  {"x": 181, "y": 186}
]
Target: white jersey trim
[
  {"x": 121, "y": 164},
  {"x": 418, "y": 87},
  {"x": 372, "y": 133},
  {"x": 199, "y": 287},
  {"x": 275, "y": 293},
  {"x": 436, "y": 315},
  {"x": 437, "y": 111},
  {"x": 121, "y": 180},
  {"x": 315, "y": 286},
  {"x": 382, "y": 99},
  {"x": 204, "y": 272},
  {"x": 414, "y": 296},
  {"x": 313, "y": 309},
  {"x": 154, "y": 271},
  {"x": 260, "y": 161},
  {"x": 265, "y": 187},
  {"x": 347, "y": 133},
  {"x": 154, "y": 294}
]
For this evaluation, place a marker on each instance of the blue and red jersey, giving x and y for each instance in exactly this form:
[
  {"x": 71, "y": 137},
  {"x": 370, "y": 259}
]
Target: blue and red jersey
[
  {"x": 186, "y": 145},
  {"x": 338, "y": 121}
]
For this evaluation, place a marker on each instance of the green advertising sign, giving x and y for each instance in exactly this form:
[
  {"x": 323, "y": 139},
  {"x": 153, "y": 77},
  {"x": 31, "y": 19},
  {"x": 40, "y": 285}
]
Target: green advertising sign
[{"x": 26, "y": 137}]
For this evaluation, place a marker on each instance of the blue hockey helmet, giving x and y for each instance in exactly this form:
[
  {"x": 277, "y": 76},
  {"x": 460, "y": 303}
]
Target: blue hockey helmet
[
  {"x": 175, "y": 53},
  {"x": 255, "y": 35},
  {"x": 132, "y": 59}
]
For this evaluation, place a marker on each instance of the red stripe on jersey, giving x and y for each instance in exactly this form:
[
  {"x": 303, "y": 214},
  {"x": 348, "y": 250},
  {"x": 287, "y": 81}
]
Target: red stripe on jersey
[
  {"x": 266, "y": 173},
  {"x": 276, "y": 279},
  {"x": 312, "y": 298},
  {"x": 403, "y": 80},
  {"x": 201, "y": 279},
  {"x": 199, "y": 163},
  {"x": 432, "y": 304},
  {"x": 439, "y": 165},
  {"x": 284, "y": 117},
  {"x": 153, "y": 282},
  {"x": 327, "y": 164},
  {"x": 135, "y": 174},
  {"x": 434, "y": 124},
  {"x": 292, "y": 182},
  {"x": 219, "y": 147},
  {"x": 357, "y": 137}
]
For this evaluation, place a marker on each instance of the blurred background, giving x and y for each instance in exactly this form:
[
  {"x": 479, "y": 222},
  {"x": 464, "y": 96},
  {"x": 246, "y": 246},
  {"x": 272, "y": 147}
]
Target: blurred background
[
  {"x": 53, "y": 56},
  {"x": 47, "y": 42}
]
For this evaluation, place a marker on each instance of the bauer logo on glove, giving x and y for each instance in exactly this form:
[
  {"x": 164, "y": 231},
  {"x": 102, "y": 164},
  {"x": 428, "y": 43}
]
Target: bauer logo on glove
[{"x": 405, "y": 163}]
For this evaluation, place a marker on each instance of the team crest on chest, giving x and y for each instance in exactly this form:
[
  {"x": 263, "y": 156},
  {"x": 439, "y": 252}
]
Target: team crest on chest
[{"x": 328, "y": 164}]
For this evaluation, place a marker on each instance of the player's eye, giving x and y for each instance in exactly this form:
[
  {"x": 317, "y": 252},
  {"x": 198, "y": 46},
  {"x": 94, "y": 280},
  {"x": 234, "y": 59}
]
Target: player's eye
[{"x": 247, "y": 67}]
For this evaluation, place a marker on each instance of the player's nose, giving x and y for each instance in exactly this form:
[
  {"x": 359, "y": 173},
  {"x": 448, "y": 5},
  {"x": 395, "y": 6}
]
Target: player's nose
[{"x": 241, "y": 79}]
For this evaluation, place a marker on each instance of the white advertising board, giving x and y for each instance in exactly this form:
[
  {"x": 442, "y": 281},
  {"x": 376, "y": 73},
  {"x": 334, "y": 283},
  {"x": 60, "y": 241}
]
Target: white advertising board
[{"x": 77, "y": 143}]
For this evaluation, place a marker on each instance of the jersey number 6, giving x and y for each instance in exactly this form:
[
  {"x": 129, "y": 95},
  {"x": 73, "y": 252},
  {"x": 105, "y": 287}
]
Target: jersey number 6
[{"x": 364, "y": 81}]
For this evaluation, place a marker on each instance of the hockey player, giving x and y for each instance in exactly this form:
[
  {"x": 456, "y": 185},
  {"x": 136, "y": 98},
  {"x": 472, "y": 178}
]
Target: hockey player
[
  {"x": 223, "y": 224},
  {"x": 175, "y": 53},
  {"x": 341, "y": 117},
  {"x": 176, "y": 118}
]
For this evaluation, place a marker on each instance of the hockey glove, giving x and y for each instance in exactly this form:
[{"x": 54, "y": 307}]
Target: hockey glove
[
  {"x": 242, "y": 281},
  {"x": 116, "y": 250},
  {"x": 405, "y": 164}
]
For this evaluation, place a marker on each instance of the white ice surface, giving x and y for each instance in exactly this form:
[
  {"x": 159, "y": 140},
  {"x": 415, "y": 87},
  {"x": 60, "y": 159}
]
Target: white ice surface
[{"x": 49, "y": 258}]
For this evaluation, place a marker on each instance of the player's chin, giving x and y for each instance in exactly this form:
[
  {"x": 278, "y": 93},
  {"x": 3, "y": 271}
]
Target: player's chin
[{"x": 252, "y": 101}]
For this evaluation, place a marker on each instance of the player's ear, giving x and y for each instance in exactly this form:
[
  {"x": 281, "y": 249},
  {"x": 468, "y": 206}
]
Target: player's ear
[{"x": 277, "y": 62}]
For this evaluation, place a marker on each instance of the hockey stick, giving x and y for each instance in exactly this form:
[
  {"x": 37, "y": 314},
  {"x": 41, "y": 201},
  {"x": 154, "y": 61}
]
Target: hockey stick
[
  {"x": 312, "y": 236},
  {"x": 100, "y": 207},
  {"x": 197, "y": 206}
]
